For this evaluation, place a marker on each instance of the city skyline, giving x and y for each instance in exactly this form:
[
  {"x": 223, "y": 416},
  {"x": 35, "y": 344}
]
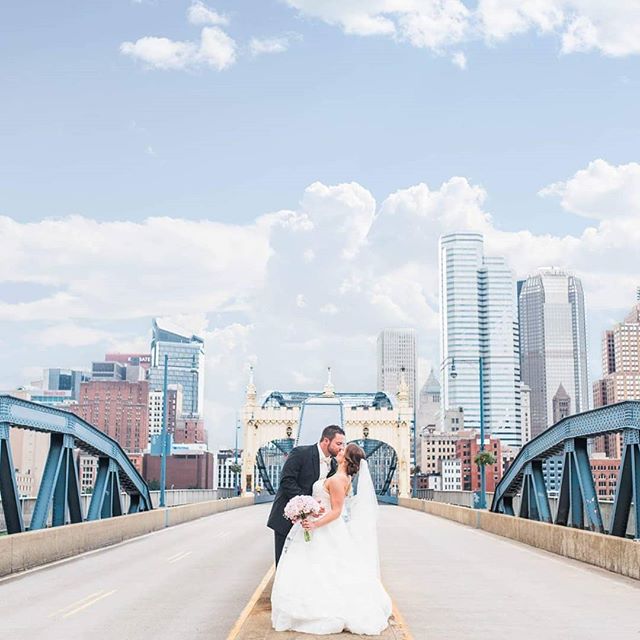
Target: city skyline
[{"x": 288, "y": 207}]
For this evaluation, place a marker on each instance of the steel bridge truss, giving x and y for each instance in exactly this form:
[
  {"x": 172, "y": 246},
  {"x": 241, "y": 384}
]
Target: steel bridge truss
[
  {"x": 578, "y": 504},
  {"x": 59, "y": 492}
]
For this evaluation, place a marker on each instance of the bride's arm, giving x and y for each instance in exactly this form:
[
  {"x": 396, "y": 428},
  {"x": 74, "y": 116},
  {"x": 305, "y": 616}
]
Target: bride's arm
[{"x": 337, "y": 487}]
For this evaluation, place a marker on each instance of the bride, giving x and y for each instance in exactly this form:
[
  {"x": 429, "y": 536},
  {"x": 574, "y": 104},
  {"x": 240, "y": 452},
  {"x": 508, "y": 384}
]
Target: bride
[{"x": 332, "y": 583}]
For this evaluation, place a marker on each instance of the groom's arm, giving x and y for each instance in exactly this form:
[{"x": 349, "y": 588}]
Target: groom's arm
[{"x": 290, "y": 473}]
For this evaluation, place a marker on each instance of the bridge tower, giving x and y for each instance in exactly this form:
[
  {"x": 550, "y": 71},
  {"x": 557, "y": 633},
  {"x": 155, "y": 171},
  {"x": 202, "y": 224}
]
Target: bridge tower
[{"x": 365, "y": 417}]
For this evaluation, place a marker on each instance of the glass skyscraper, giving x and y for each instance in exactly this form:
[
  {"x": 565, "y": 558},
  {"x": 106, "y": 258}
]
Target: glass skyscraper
[
  {"x": 553, "y": 344},
  {"x": 185, "y": 366},
  {"x": 478, "y": 319}
]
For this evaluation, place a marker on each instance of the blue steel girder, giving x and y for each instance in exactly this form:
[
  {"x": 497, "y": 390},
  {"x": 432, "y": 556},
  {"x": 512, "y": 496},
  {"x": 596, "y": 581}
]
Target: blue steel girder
[
  {"x": 628, "y": 487},
  {"x": 577, "y": 490},
  {"x": 8, "y": 485},
  {"x": 609, "y": 419},
  {"x": 534, "y": 503},
  {"x": 58, "y": 488}
]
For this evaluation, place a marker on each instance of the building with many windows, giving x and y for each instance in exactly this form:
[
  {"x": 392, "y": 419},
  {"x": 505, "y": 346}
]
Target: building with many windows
[
  {"x": 119, "y": 409},
  {"x": 185, "y": 365},
  {"x": 553, "y": 347},
  {"x": 225, "y": 477},
  {"x": 621, "y": 374},
  {"x": 478, "y": 320},
  {"x": 397, "y": 352}
]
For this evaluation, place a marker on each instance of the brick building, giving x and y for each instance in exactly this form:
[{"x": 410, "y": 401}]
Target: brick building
[
  {"x": 621, "y": 374},
  {"x": 118, "y": 408},
  {"x": 466, "y": 451},
  {"x": 192, "y": 470},
  {"x": 190, "y": 431},
  {"x": 605, "y": 474}
]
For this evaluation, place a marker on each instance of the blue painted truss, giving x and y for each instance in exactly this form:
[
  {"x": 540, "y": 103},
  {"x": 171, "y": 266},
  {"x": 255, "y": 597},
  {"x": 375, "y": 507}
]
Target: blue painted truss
[
  {"x": 578, "y": 504},
  {"x": 59, "y": 492}
]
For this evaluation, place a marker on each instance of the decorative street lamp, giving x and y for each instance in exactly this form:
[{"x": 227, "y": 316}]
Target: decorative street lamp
[{"x": 453, "y": 374}]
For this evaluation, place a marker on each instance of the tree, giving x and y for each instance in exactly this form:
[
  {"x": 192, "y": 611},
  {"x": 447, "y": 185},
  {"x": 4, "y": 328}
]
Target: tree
[
  {"x": 235, "y": 468},
  {"x": 154, "y": 485},
  {"x": 484, "y": 458}
]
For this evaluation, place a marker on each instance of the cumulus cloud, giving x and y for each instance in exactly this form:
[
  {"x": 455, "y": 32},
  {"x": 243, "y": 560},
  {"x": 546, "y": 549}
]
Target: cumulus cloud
[
  {"x": 278, "y": 44},
  {"x": 215, "y": 49},
  {"x": 600, "y": 191},
  {"x": 613, "y": 27},
  {"x": 302, "y": 289},
  {"x": 199, "y": 13},
  {"x": 123, "y": 270}
]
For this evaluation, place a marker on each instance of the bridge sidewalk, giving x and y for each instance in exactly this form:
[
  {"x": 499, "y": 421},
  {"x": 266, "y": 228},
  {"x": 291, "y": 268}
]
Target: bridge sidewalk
[{"x": 255, "y": 621}]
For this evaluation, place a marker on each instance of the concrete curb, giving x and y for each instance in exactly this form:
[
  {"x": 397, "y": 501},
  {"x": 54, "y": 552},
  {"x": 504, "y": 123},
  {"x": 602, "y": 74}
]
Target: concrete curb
[
  {"x": 22, "y": 551},
  {"x": 618, "y": 555}
]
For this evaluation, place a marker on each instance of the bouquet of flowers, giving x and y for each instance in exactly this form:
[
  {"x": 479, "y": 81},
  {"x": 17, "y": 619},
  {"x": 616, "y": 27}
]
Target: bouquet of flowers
[{"x": 300, "y": 508}]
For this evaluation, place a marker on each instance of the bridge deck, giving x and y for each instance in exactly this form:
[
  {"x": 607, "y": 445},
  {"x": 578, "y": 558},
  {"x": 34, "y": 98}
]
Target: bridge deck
[{"x": 192, "y": 581}]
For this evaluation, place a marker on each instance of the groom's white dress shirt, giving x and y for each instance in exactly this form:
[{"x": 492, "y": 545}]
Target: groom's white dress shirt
[{"x": 325, "y": 464}]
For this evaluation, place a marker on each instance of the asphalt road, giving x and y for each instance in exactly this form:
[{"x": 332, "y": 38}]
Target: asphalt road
[
  {"x": 192, "y": 581},
  {"x": 185, "y": 582},
  {"x": 453, "y": 582}
]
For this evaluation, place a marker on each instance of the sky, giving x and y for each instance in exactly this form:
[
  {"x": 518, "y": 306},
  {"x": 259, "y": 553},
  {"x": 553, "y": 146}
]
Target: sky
[{"x": 274, "y": 174}]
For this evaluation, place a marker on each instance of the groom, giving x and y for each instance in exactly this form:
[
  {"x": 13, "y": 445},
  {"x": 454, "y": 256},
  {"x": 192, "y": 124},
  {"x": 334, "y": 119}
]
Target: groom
[{"x": 304, "y": 466}]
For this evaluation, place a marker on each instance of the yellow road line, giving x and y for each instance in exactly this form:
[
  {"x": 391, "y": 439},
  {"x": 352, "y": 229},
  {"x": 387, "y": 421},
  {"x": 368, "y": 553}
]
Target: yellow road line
[
  {"x": 401, "y": 622},
  {"x": 88, "y": 604},
  {"x": 182, "y": 556},
  {"x": 75, "y": 604},
  {"x": 235, "y": 630}
]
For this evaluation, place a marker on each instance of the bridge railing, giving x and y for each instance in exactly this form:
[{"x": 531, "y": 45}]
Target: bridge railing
[
  {"x": 173, "y": 498},
  {"x": 465, "y": 499}
]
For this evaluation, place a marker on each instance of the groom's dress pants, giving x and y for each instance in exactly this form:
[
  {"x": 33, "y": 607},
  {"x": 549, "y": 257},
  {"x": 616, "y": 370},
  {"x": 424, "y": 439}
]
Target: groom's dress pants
[{"x": 280, "y": 540}]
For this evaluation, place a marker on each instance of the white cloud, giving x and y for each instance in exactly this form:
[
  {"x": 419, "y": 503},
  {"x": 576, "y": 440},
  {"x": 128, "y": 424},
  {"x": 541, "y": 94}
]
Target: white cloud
[
  {"x": 253, "y": 294},
  {"x": 70, "y": 334},
  {"x": 161, "y": 53},
  {"x": 199, "y": 13},
  {"x": 612, "y": 27},
  {"x": 215, "y": 49},
  {"x": 329, "y": 309},
  {"x": 125, "y": 270},
  {"x": 601, "y": 191},
  {"x": 459, "y": 59},
  {"x": 278, "y": 44}
]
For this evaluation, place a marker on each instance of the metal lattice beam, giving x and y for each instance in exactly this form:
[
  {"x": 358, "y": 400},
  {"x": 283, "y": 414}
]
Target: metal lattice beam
[
  {"x": 59, "y": 491},
  {"x": 8, "y": 484},
  {"x": 578, "y": 504}
]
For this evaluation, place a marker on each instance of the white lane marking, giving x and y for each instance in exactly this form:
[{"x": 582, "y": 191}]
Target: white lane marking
[
  {"x": 75, "y": 604},
  {"x": 180, "y": 557},
  {"x": 175, "y": 555},
  {"x": 88, "y": 604}
]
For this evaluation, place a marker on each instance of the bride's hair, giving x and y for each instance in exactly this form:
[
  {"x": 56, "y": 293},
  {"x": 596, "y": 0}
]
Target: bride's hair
[{"x": 353, "y": 454}]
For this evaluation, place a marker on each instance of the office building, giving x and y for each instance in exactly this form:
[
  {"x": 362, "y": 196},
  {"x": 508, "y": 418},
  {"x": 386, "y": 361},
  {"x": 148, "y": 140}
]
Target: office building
[
  {"x": 185, "y": 365},
  {"x": 397, "y": 352},
  {"x": 621, "y": 374},
  {"x": 478, "y": 320},
  {"x": 119, "y": 409},
  {"x": 553, "y": 347},
  {"x": 66, "y": 380}
]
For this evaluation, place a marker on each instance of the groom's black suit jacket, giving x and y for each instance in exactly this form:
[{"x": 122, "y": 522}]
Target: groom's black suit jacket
[{"x": 300, "y": 471}]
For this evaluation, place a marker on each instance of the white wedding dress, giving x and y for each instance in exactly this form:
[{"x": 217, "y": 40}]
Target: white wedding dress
[{"x": 332, "y": 583}]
